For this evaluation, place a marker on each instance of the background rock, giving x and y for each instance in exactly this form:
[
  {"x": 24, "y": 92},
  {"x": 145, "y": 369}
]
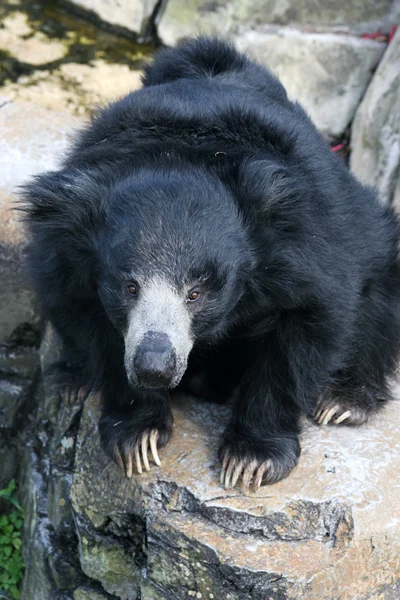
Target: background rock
[
  {"x": 183, "y": 18},
  {"x": 54, "y": 58},
  {"x": 326, "y": 73},
  {"x": 74, "y": 88},
  {"x": 130, "y": 14},
  {"x": 31, "y": 140},
  {"x": 26, "y": 45},
  {"x": 375, "y": 136}
]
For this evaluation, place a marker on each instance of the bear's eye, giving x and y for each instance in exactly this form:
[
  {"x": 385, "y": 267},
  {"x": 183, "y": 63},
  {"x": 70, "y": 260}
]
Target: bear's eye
[
  {"x": 193, "y": 295},
  {"x": 132, "y": 289}
]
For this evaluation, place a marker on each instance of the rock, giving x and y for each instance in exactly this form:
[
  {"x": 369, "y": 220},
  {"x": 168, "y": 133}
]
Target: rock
[
  {"x": 87, "y": 594},
  {"x": 375, "y": 136},
  {"x": 19, "y": 363},
  {"x": 31, "y": 140},
  {"x": 111, "y": 564},
  {"x": 63, "y": 62},
  {"x": 326, "y": 73},
  {"x": 8, "y": 461},
  {"x": 329, "y": 531},
  {"x": 74, "y": 88},
  {"x": 27, "y": 45},
  {"x": 131, "y": 14},
  {"x": 184, "y": 19}
]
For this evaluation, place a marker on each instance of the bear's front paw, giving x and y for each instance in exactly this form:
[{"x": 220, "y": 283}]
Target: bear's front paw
[
  {"x": 257, "y": 462},
  {"x": 128, "y": 440},
  {"x": 75, "y": 395},
  {"x": 340, "y": 411},
  {"x": 69, "y": 381}
]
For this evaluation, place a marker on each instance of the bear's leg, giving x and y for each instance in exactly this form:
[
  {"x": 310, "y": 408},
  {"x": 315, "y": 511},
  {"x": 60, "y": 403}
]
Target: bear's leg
[
  {"x": 133, "y": 424},
  {"x": 261, "y": 443},
  {"x": 213, "y": 375},
  {"x": 346, "y": 406},
  {"x": 361, "y": 388},
  {"x": 67, "y": 376},
  {"x": 81, "y": 364},
  {"x": 353, "y": 398},
  {"x": 284, "y": 375}
]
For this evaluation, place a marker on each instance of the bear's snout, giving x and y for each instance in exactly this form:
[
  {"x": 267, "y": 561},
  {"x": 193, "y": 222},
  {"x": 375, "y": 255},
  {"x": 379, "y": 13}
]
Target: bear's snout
[{"x": 155, "y": 361}]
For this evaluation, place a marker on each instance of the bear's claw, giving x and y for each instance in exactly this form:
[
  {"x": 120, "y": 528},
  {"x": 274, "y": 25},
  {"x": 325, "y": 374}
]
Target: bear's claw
[
  {"x": 253, "y": 471},
  {"x": 339, "y": 413},
  {"x": 139, "y": 453},
  {"x": 72, "y": 395}
]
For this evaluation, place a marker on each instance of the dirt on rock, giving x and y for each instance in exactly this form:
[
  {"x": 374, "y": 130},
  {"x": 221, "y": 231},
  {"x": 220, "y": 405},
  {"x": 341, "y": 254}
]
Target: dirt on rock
[{"x": 53, "y": 58}]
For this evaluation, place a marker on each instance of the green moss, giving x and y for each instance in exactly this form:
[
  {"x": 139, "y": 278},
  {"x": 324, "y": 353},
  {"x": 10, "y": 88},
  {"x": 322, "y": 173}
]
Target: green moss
[
  {"x": 111, "y": 564},
  {"x": 11, "y": 523}
]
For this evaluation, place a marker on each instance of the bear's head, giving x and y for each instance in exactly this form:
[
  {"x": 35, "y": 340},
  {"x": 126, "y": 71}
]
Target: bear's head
[{"x": 173, "y": 264}]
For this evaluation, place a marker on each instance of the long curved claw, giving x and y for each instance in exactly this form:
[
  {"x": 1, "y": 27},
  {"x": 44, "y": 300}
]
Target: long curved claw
[
  {"x": 229, "y": 472},
  {"x": 145, "y": 445},
  {"x": 137, "y": 460},
  {"x": 147, "y": 441},
  {"x": 236, "y": 473},
  {"x": 129, "y": 465},
  {"x": 328, "y": 414},
  {"x": 339, "y": 411},
  {"x": 262, "y": 469},
  {"x": 342, "y": 417},
  {"x": 248, "y": 475},
  {"x": 225, "y": 461},
  {"x": 153, "y": 447}
]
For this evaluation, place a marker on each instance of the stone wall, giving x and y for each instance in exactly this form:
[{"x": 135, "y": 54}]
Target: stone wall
[
  {"x": 31, "y": 140},
  {"x": 375, "y": 142},
  {"x": 325, "y": 54}
]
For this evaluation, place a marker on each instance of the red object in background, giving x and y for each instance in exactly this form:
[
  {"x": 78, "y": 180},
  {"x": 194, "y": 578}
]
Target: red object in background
[
  {"x": 372, "y": 36},
  {"x": 379, "y": 36},
  {"x": 391, "y": 33},
  {"x": 337, "y": 148}
]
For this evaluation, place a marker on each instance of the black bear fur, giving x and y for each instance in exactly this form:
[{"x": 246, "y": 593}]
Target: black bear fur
[{"x": 209, "y": 175}]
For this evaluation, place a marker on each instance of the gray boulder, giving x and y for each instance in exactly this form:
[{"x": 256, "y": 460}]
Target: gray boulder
[
  {"x": 330, "y": 530},
  {"x": 326, "y": 73},
  {"x": 375, "y": 136},
  {"x": 130, "y": 14},
  {"x": 183, "y": 18}
]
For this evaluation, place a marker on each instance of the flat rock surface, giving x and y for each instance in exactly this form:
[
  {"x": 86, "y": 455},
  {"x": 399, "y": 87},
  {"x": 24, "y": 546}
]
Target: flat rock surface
[
  {"x": 375, "y": 139},
  {"x": 337, "y": 513}
]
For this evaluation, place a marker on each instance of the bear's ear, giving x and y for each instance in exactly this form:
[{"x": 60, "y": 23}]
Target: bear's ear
[
  {"x": 267, "y": 186},
  {"x": 65, "y": 201},
  {"x": 65, "y": 211}
]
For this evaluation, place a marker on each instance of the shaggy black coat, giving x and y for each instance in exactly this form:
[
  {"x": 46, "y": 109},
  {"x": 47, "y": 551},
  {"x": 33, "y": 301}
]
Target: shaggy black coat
[{"x": 210, "y": 174}]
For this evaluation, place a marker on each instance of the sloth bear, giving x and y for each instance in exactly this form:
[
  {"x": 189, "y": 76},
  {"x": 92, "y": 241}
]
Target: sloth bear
[{"x": 201, "y": 235}]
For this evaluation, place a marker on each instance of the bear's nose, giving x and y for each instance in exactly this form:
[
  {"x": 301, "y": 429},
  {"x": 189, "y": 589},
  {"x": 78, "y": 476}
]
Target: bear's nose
[{"x": 155, "y": 360}]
